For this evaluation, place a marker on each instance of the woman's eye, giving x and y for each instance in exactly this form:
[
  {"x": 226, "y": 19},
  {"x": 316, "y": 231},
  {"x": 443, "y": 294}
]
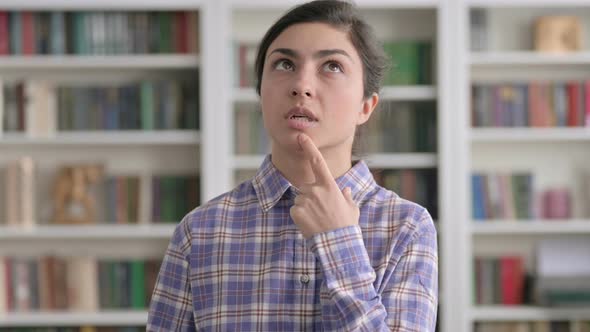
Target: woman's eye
[
  {"x": 283, "y": 64},
  {"x": 333, "y": 67}
]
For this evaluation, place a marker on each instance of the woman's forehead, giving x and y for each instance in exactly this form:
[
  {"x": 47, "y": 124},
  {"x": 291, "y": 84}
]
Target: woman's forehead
[{"x": 312, "y": 37}]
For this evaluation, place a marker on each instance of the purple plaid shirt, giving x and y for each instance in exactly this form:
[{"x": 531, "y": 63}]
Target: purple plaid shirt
[{"x": 239, "y": 263}]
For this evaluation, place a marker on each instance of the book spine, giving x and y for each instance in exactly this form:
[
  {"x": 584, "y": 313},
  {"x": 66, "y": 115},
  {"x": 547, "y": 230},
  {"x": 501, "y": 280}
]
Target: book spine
[{"x": 4, "y": 33}]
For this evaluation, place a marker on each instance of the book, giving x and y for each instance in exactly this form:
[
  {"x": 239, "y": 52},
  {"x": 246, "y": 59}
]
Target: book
[
  {"x": 40, "y": 109},
  {"x": 82, "y": 284}
]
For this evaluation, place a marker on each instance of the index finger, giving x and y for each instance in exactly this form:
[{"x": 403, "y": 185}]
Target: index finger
[{"x": 318, "y": 164}]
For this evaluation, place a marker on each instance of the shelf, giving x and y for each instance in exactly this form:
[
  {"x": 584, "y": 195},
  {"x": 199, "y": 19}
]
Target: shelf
[
  {"x": 402, "y": 160},
  {"x": 273, "y": 4},
  {"x": 394, "y": 93},
  {"x": 491, "y": 135},
  {"x": 106, "y": 137},
  {"x": 528, "y": 3},
  {"x": 63, "y": 319},
  {"x": 528, "y": 313},
  {"x": 382, "y": 160},
  {"x": 87, "y": 232},
  {"x": 408, "y": 93},
  {"x": 529, "y": 58},
  {"x": 100, "y": 62},
  {"x": 512, "y": 227}
]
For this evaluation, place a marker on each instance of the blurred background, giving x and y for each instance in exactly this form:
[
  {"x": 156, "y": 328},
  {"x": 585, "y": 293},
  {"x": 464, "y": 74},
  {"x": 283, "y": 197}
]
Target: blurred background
[{"x": 119, "y": 117}]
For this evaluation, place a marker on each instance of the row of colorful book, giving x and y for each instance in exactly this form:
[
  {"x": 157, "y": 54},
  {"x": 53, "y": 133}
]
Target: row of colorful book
[
  {"x": 83, "y": 284},
  {"x": 98, "y": 32},
  {"x": 412, "y": 63},
  {"x": 42, "y": 108},
  {"x": 416, "y": 185},
  {"x": 514, "y": 196},
  {"x": 502, "y": 196},
  {"x": 113, "y": 198},
  {"x": 401, "y": 127},
  {"x": 250, "y": 134},
  {"x": 75, "y": 329},
  {"x": 500, "y": 280},
  {"x": 536, "y": 326},
  {"x": 534, "y": 104},
  {"x": 173, "y": 196}
]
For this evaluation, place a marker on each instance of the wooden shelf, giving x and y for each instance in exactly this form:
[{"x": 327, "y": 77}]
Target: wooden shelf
[
  {"x": 63, "y": 319},
  {"x": 491, "y": 135},
  {"x": 106, "y": 137},
  {"x": 513, "y": 227},
  {"x": 100, "y": 62},
  {"x": 527, "y": 313},
  {"x": 527, "y": 58},
  {"x": 94, "y": 232}
]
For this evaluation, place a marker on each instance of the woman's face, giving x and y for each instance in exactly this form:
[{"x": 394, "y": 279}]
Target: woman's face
[{"x": 312, "y": 82}]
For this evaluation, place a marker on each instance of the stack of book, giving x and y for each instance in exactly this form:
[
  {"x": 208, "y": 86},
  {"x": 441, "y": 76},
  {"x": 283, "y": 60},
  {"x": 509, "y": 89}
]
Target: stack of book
[
  {"x": 401, "y": 127},
  {"x": 499, "y": 280},
  {"x": 51, "y": 283},
  {"x": 502, "y": 196},
  {"x": 563, "y": 272},
  {"x": 174, "y": 196},
  {"x": 412, "y": 62},
  {"x": 416, "y": 185}
]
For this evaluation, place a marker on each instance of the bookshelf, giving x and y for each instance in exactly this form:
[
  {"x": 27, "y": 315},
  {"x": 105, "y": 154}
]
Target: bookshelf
[
  {"x": 144, "y": 153},
  {"x": 555, "y": 155}
]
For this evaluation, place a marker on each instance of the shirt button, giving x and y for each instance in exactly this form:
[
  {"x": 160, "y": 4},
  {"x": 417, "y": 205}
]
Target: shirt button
[{"x": 304, "y": 278}]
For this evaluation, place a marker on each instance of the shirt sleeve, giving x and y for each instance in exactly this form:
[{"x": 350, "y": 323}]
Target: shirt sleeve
[
  {"x": 171, "y": 307},
  {"x": 406, "y": 302}
]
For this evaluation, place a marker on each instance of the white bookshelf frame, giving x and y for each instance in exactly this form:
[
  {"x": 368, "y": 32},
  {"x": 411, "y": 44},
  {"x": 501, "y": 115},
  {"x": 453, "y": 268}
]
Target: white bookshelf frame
[
  {"x": 64, "y": 319},
  {"x": 115, "y": 137},
  {"x": 101, "y": 231}
]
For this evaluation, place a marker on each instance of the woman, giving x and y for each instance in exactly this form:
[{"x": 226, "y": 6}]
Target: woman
[{"x": 311, "y": 242}]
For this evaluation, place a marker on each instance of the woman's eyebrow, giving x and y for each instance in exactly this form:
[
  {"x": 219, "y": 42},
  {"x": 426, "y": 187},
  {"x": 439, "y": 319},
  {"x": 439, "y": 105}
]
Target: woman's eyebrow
[{"x": 319, "y": 54}]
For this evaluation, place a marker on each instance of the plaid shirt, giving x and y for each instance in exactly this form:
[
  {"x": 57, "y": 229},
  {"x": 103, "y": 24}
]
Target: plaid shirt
[{"x": 239, "y": 263}]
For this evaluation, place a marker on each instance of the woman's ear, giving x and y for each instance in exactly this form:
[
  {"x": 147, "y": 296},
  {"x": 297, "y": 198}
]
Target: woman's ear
[{"x": 367, "y": 108}]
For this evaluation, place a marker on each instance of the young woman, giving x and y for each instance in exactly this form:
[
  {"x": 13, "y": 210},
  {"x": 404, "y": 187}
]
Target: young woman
[{"x": 311, "y": 242}]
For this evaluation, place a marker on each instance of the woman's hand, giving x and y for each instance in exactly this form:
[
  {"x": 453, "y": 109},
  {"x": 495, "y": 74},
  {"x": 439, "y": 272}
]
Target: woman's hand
[{"x": 321, "y": 206}]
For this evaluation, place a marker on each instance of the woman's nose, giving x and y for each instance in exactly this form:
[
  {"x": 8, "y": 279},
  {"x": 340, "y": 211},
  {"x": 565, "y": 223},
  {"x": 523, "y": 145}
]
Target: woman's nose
[{"x": 303, "y": 84}]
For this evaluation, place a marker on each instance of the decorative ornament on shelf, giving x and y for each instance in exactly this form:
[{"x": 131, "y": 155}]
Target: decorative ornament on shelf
[
  {"x": 558, "y": 34},
  {"x": 73, "y": 203}
]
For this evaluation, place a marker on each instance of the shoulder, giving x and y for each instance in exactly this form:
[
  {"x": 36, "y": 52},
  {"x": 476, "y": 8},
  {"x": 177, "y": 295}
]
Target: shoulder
[{"x": 389, "y": 212}]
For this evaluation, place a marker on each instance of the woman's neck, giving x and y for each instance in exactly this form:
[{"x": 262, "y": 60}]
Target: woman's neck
[{"x": 296, "y": 168}]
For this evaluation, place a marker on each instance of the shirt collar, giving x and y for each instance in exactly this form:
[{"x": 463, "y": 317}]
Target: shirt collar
[{"x": 270, "y": 185}]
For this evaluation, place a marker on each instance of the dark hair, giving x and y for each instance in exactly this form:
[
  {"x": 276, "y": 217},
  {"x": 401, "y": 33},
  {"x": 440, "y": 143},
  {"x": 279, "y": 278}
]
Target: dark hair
[{"x": 339, "y": 14}]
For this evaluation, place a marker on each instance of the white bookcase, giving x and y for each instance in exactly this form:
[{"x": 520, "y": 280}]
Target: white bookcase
[
  {"x": 554, "y": 155},
  {"x": 210, "y": 151}
]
